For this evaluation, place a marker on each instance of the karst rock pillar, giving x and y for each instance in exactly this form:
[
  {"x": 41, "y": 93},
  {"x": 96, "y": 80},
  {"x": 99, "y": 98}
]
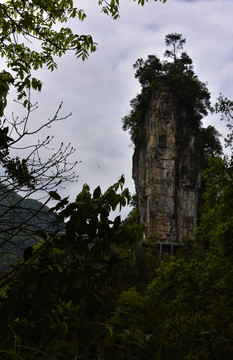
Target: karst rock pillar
[{"x": 166, "y": 169}]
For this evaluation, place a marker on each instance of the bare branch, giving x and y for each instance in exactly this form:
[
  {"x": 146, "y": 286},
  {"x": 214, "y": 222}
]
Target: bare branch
[{"x": 32, "y": 175}]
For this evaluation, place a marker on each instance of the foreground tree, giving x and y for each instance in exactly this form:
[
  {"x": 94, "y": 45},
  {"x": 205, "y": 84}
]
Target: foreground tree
[
  {"x": 27, "y": 23},
  {"x": 32, "y": 35},
  {"x": 36, "y": 175},
  {"x": 56, "y": 305}
]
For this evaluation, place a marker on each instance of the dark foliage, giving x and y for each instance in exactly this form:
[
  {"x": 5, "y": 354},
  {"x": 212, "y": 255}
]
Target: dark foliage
[{"x": 176, "y": 76}]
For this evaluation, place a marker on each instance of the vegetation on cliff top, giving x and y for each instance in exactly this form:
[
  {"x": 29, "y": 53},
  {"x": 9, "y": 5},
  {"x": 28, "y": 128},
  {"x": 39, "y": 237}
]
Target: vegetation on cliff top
[{"x": 175, "y": 75}]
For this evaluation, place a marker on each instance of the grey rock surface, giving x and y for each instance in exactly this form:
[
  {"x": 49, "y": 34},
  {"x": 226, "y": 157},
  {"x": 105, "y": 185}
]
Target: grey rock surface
[{"x": 166, "y": 169}]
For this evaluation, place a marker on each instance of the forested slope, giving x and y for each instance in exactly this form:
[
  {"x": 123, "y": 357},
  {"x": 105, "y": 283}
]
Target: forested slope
[{"x": 20, "y": 220}]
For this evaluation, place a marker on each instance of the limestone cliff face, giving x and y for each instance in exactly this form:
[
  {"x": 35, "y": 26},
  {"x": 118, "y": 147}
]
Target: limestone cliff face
[{"x": 166, "y": 170}]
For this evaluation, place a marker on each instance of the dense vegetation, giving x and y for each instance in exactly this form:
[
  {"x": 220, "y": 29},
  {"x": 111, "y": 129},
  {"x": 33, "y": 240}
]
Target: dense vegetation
[
  {"x": 175, "y": 75},
  {"x": 94, "y": 292}
]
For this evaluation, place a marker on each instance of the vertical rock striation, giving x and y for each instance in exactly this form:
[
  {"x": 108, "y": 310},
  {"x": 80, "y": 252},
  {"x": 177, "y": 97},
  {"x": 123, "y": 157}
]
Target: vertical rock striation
[{"x": 166, "y": 169}]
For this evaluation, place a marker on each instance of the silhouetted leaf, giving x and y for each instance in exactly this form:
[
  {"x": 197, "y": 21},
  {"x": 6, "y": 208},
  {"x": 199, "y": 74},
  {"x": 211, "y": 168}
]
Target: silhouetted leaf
[{"x": 54, "y": 195}]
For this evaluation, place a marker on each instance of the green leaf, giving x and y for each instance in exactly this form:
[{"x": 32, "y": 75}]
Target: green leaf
[
  {"x": 97, "y": 266},
  {"x": 27, "y": 253},
  {"x": 117, "y": 221},
  {"x": 41, "y": 234},
  {"x": 76, "y": 280},
  {"x": 54, "y": 195},
  {"x": 97, "y": 193}
]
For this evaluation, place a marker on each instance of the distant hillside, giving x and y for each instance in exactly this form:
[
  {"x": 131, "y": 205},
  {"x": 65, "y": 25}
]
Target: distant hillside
[{"x": 19, "y": 220}]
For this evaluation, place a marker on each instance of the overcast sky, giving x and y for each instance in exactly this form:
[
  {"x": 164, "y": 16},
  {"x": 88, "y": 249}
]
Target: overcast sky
[{"x": 98, "y": 91}]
